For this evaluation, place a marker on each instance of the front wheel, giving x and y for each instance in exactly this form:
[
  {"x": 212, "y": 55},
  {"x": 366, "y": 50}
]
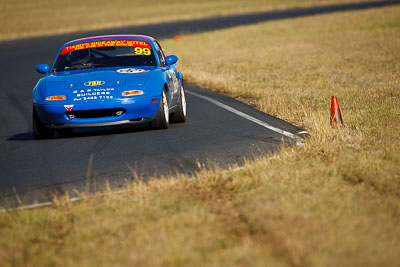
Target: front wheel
[
  {"x": 180, "y": 113},
  {"x": 39, "y": 130},
  {"x": 161, "y": 120}
]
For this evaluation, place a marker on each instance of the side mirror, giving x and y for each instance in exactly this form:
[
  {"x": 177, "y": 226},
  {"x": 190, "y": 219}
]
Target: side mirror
[
  {"x": 43, "y": 68},
  {"x": 170, "y": 60}
]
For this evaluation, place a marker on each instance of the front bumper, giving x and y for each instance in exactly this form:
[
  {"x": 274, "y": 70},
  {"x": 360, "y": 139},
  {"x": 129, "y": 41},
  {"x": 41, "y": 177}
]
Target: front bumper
[{"x": 136, "y": 111}]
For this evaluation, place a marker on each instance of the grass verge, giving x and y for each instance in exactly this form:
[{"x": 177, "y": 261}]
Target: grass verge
[
  {"x": 333, "y": 202},
  {"x": 25, "y": 18}
]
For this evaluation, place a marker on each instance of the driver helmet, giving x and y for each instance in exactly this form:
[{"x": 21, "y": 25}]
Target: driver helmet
[{"x": 80, "y": 57}]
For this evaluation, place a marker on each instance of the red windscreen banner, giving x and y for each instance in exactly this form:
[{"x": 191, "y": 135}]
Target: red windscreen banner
[{"x": 96, "y": 44}]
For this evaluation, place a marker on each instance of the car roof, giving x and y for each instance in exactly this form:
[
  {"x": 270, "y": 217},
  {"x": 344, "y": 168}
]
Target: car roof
[{"x": 119, "y": 36}]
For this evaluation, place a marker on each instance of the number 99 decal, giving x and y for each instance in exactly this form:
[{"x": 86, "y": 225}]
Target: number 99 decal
[{"x": 142, "y": 51}]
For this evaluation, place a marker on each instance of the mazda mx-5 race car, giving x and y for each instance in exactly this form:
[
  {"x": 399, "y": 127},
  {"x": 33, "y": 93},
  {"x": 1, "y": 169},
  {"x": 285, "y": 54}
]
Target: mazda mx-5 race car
[{"x": 105, "y": 81}]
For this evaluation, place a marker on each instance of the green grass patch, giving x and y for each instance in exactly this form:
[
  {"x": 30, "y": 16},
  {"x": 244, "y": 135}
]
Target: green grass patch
[{"x": 333, "y": 202}]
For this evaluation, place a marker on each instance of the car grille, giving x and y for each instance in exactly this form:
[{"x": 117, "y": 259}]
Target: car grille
[{"x": 95, "y": 113}]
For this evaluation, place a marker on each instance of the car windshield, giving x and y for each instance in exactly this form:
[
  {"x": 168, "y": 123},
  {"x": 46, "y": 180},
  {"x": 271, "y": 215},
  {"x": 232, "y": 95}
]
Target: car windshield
[{"x": 113, "y": 53}]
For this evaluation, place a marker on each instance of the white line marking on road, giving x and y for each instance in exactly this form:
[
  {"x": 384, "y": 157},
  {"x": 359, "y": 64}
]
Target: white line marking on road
[
  {"x": 302, "y": 132},
  {"x": 36, "y": 205},
  {"x": 50, "y": 203},
  {"x": 299, "y": 140}
]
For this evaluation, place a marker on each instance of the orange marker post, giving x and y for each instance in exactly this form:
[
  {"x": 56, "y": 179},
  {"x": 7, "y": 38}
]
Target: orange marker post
[{"x": 336, "y": 116}]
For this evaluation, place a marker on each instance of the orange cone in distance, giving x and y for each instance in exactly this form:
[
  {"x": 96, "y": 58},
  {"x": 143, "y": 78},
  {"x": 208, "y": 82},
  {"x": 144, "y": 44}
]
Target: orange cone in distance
[
  {"x": 336, "y": 116},
  {"x": 177, "y": 37}
]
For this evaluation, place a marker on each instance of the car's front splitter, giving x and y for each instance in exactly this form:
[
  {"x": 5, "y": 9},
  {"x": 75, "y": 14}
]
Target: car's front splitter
[{"x": 101, "y": 124}]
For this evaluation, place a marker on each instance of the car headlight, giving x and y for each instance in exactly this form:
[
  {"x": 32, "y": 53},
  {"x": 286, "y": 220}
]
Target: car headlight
[
  {"x": 132, "y": 93},
  {"x": 56, "y": 97}
]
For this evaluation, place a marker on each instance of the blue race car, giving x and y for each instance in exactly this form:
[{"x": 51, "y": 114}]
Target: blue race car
[{"x": 108, "y": 80}]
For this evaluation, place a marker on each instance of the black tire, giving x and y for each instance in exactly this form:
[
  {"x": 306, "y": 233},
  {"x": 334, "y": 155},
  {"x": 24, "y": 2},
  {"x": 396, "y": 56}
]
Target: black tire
[
  {"x": 180, "y": 114},
  {"x": 39, "y": 130},
  {"x": 161, "y": 120}
]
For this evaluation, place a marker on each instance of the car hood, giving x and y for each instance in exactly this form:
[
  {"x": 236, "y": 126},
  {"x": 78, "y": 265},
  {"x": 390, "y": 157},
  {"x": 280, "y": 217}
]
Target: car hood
[
  {"x": 94, "y": 85},
  {"x": 96, "y": 77}
]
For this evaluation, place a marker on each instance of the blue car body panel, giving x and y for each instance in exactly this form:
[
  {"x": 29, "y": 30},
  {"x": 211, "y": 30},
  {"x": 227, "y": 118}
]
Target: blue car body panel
[{"x": 99, "y": 91}]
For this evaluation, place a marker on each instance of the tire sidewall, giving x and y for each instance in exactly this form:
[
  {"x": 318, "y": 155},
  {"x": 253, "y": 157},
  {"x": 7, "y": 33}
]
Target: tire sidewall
[{"x": 161, "y": 120}]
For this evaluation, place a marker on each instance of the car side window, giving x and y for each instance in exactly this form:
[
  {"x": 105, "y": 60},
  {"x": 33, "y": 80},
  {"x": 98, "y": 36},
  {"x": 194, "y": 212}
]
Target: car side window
[{"x": 160, "y": 54}]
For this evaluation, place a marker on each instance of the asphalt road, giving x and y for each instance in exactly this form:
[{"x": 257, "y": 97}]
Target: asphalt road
[{"x": 214, "y": 134}]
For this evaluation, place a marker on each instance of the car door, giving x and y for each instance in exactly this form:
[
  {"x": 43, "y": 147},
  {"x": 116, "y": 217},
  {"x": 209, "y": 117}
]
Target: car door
[{"x": 171, "y": 74}]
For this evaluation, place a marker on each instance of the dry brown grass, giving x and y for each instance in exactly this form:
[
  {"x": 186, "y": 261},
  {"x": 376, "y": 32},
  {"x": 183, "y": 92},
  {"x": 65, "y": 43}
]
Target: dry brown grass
[
  {"x": 292, "y": 67},
  {"x": 25, "y": 18},
  {"x": 333, "y": 202}
]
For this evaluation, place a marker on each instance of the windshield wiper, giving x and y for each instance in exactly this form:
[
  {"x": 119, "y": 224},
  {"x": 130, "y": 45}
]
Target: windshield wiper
[
  {"x": 84, "y": 66},
  {"x": 79, "y": 67}
]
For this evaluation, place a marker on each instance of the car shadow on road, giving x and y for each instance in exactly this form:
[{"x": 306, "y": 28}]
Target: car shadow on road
[
  {"x": 22, "y": 137},
  {"x": 85, "y": 132}
]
